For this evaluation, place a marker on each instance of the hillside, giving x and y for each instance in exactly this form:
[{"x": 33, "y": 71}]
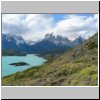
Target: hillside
[{"x": 76, "y": 67}]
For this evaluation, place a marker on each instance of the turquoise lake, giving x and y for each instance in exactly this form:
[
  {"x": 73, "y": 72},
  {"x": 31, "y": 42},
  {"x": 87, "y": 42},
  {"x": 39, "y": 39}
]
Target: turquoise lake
[{"x": 31, "y": 59}]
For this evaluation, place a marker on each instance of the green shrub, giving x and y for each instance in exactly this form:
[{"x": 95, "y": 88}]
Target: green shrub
[{"x": 92, "y": 45}]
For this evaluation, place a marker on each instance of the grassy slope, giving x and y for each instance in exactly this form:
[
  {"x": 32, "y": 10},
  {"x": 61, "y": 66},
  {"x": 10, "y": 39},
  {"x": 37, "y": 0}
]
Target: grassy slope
[{"x": 78, "y": 67}]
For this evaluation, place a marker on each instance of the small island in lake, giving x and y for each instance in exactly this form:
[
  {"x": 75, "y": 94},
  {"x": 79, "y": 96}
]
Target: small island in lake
[{"x": 19, "y": 64}]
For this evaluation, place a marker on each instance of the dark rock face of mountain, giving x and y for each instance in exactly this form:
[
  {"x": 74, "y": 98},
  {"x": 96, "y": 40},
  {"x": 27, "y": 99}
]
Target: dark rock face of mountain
[
  {"x": 58, "y": 40},
  {"x": 14, "y": 43},
  {"x": 50, "y": 44},
  {"x": 77, "y": 42},
  {"x": 62, "y": 41}
]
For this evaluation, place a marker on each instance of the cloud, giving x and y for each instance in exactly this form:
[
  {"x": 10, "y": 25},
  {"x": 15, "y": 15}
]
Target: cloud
[
  {"x": 30, "y": 26},
  {"x": 33, "y": 27},
  {"x": 81, "y": 25}
]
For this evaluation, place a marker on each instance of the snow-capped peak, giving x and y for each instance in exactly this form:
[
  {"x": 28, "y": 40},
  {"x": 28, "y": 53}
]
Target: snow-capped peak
[
  {"x": 57, "y": 40},
  {"x": 18, "y": 39}
]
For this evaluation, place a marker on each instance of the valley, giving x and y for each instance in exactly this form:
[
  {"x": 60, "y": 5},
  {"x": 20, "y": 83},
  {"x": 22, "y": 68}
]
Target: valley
[{"x": 75, "y": 66}]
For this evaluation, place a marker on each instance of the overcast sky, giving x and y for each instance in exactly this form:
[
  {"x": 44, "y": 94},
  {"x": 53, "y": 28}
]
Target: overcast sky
[{"x": 35, "y": 26}]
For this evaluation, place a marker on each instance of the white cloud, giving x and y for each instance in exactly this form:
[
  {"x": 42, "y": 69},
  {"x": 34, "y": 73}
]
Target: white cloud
[
  {"x": 80, "y": 25},
  {"x": 34, "y": 26},
  {"x": 30, "y": 26}
]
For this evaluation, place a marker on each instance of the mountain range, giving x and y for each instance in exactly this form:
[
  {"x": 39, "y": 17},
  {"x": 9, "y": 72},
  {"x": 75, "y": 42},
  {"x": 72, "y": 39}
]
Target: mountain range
[{"x": 49, "y": 44}]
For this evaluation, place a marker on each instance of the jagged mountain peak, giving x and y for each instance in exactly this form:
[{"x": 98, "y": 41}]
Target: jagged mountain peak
[
  {"x": 60, "y": 40},
  {"x": 15, "y": 38}
]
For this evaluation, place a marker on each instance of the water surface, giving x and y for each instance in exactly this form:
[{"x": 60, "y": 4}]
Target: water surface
[{"x": 31, "y": 59}]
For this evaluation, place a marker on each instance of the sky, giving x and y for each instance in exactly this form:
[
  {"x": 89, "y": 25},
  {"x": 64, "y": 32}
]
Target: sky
[{"x": 33, "y": 27}]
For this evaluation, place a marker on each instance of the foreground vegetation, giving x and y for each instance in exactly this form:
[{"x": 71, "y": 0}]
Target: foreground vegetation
[{"x": 76, "y": 67}]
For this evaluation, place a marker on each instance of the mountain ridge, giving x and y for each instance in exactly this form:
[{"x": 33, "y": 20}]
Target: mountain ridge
[{"x": 50, "y": 43}]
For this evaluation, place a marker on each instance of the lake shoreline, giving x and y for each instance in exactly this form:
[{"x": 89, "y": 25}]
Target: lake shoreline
[{"x": 32, "y": 59}]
